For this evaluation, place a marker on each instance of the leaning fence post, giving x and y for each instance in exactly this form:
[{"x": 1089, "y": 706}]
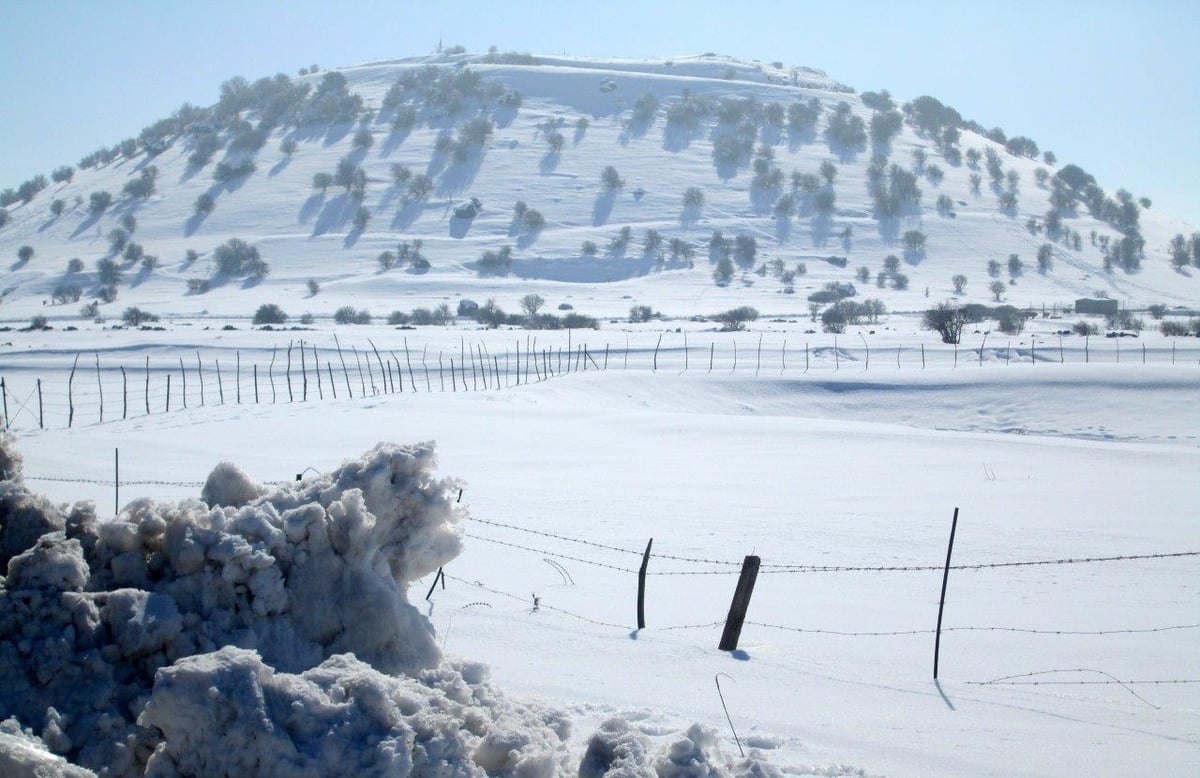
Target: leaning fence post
[
  {"x": 641, "y": 604},
  {"x": 41, "y": 419},
  {"x": 4, "y": 391},
  {"x": 147, "y": 391},
  {"x": 124, "y": 394},
  {"x": 100, "y": 386},
  {"x": 656, "y": 345},
  {"x": 741, "y": 602},
  {"x": 70, "y": 393},
  {"x": 937, "y": 640}
]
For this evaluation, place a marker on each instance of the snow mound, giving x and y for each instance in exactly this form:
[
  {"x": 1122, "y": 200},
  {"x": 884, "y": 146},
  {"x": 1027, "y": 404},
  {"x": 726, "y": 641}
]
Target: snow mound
[
  {"x": 228, "y": 713},
  {"x": 90, "y": 611}
]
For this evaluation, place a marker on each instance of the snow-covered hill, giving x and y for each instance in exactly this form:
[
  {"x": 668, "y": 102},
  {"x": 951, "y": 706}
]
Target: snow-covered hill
[{"x": 486, "y": 127}]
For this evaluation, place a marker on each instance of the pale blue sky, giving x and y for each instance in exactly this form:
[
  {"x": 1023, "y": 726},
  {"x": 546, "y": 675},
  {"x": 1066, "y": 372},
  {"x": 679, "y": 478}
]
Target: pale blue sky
[{"x": 1111, "y": 86}]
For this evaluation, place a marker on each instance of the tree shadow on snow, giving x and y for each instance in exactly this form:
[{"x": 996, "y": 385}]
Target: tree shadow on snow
[
  {"x": 603, "y": 207},
  {"x": 334, "y": 216}
]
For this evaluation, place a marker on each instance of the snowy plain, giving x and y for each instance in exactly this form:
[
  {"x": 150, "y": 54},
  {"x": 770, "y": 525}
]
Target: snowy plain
[{"x": 848, "y": 463}]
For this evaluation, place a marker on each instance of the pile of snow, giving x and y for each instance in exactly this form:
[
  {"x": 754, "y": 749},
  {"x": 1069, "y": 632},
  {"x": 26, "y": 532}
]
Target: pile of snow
[{"x": 265, "y": 631}]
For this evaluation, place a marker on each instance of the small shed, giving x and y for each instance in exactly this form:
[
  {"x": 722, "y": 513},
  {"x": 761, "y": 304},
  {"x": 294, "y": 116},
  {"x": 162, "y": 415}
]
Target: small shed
[{"x": 1099, "y": 307}]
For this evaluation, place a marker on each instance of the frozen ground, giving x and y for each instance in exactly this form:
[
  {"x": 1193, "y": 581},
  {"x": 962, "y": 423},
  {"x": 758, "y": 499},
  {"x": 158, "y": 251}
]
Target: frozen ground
[{"x": 859, "y": 468}]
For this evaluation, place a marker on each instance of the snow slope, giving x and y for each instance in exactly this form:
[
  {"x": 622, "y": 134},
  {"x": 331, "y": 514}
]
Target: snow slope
[{"x": 304, "y": 234}]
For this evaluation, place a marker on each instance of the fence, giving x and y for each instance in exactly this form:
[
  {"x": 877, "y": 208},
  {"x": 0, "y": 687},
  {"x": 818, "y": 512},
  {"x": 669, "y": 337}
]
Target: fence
[
  {"x": 304, "y": 372},
  {"x": 606, "y": 559}
]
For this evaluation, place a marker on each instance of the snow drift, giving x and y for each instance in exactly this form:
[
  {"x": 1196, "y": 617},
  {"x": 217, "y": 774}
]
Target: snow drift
[{"x": 264, "y": 632}]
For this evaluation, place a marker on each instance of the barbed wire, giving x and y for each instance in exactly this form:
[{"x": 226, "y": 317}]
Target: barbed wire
[
  {"x": 1022, "y": 630},
  {"x": 528, "y": 601},
  {"x": 552, "y": 554},
  {"x": 100, "y": 482}
]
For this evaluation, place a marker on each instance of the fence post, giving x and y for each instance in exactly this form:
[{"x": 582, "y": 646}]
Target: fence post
[
  {"x": 220, "y": 384},
  {"x": 271, "y": 374},
  {"x": 124, "y": 394},
  {"x": 168, "y": 405},
  {"x": 200, "y": 376},
  {"x": 70, "y": 393},
  {"x": 806, "y": 356},
  {"x": 741, "y": 602},
  {"x": 345, "y": 372},
  {"x": 303, "y": 374},
  {"x": 1118, "y": 351},
  {"x": 922, "y": 356},
  {"x": 837, "y": 357},
  {"x": 256, "y": 383},
  {"x": 116, "y": 482},
  {"x": 183, "y": 372},
  {"x": 685, "y": 353},
  {"x": 982, "y": 346},
  {"x": 867, "y": 363},
  {"x": 783, "y": 358},
  {"x": 287, "y": 373},
  {"x": 937, "y": 640},
  {"x": 332, "y": 383},
  {"x": 4, "y": 391},
  {"x": 641, "y": 604},
  {"x": 656, "y": 345},
  {"x": 100, "y": 386},
  {"x": 237, "y": 378},
  {"x": 758, "y": 362},
  {"x": 1060, "y": 350},
  {"x": 1086, "y": 356},
  {"x": 147, "y": 393},
  {"x": 41, "y": 420}
]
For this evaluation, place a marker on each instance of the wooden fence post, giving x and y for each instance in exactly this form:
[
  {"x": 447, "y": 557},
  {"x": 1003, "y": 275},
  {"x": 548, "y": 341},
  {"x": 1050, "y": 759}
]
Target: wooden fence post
[
  {"x": 41, "y": 418},
  {"x": 922, "y": 356},
  {"x": 4, "y": 392},
  {"x": 303, "y": 374},
  {"x": 332, "y": 383},
  {"x": 220, "y": 384},
  {"x": 256, "y": 383},
  {"x": 237, "y": 377},
  {"x": 758, "y": 362},
  {"x": 382, "y": 373},
  {"x": 271, "y": 374},
  {"x": 100, "y": 386},
  {"x": 168, "y": 402},
  {"x": 317, "y": 370},
  {"x": 656, "y": 345},
  {"x": 345, "y": 372},
  {"x": 71, "y": 394},
  {"x": 741, "y": 602},
  {"x": 183, "y": 372},
  {"x": 362, "y": 381},
  {"x": 641, "y": 601},
  {"x": 147, "y": 395},
  {"x": 200, "y": 376},
  {"x": 124, "y": 394},
  {"x": 287, "y": 373},
  {"x": 937, "y": 640}
]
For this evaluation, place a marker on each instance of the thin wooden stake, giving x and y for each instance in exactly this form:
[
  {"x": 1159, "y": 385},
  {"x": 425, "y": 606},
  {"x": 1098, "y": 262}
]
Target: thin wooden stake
[
  {"x": 220, "y": 384},
  {"x": 237, "y": 376},
  {"x": 656, "y": 345},
  {"x": 41, "y": 418},
  {"x": 362, "y": 381},
  {"x": 317, "y": 370},
  {"x": 70, "y": 394},
  {"x": 168, "y": 405},
  {"x": 937, "y": 640},
  {"x": 641, "y": 600},
  {"x": 200, "y": 376},
  {"x": 758, "y": 362},
  {"x": 303, "y": 374},
  {"x": 256, "y": 383},
  {"x": 124, "y": 394},
  {"x": 332, "y": 383},
  {"x": 100, "y": 386},
  {"x": 379, "y": 359},
  {"x": 147, "y": 392},
  {"x": 345, "y": 372},
  {"x": 288, "y": 373},
  {"x": 4, "y": 392},
  {"x": 271, "y": 374}
]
